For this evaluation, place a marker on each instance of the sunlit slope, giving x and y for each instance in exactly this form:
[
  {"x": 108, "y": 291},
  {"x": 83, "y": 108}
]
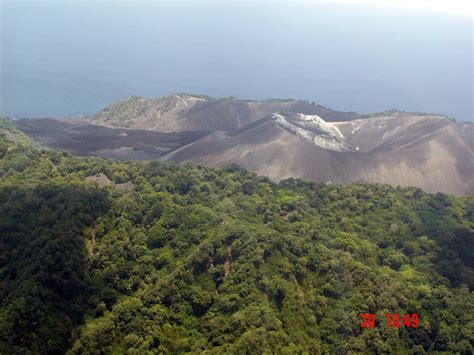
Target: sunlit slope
[{"x": 428, "y": 152}]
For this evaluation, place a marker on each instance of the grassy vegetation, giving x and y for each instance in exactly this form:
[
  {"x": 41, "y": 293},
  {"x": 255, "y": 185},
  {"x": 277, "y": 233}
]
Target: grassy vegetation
[
  {"x": 394, "y": 112},
  {"x": 277, "y": 100},
  {"x": 199, "y": 96}
]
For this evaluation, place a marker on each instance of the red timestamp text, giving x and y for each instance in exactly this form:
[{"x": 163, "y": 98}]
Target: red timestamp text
[{"x": 393, "y": 320}]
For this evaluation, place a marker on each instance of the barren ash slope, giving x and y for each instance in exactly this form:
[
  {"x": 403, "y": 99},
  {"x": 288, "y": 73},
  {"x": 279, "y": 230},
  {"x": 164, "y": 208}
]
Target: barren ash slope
[
  {"x": 467, "y": 129},
  {"x": 78, "y": 137},
  {"x": 429, "y": 152}
]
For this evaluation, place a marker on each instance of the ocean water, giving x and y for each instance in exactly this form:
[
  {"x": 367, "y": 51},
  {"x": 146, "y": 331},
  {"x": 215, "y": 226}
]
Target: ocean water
[{"x": 75, "y": 57}]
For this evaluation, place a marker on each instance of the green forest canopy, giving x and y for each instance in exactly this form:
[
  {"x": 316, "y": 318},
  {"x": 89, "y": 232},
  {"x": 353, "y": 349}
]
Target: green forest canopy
[{"x": 98, "y": 256}]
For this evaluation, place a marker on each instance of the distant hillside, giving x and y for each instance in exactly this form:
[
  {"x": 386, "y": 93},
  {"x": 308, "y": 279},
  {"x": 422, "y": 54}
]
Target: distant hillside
[
  {"x": 276, "y": 138},
  {"x": 176, "y": 113}
]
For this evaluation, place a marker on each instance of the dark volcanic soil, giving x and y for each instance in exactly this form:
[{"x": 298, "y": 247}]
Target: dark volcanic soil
[{"x": 118, "y": 143}]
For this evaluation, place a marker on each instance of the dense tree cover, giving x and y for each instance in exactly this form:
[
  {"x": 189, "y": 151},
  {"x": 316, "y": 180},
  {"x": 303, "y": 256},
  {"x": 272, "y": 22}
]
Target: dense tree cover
[{"x": 193, "y": 259}]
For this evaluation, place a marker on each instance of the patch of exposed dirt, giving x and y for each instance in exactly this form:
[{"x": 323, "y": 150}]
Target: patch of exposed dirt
[
  {"x": 11, "y": 137},
  {"x": 127, "y": 186},
  {"x": 228, "y": 261},
  {"x": 100, "y": 179}
]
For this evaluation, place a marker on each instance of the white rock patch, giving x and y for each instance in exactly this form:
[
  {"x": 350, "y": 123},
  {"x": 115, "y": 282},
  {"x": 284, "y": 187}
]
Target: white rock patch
[{"x": 313, "y": 129}]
